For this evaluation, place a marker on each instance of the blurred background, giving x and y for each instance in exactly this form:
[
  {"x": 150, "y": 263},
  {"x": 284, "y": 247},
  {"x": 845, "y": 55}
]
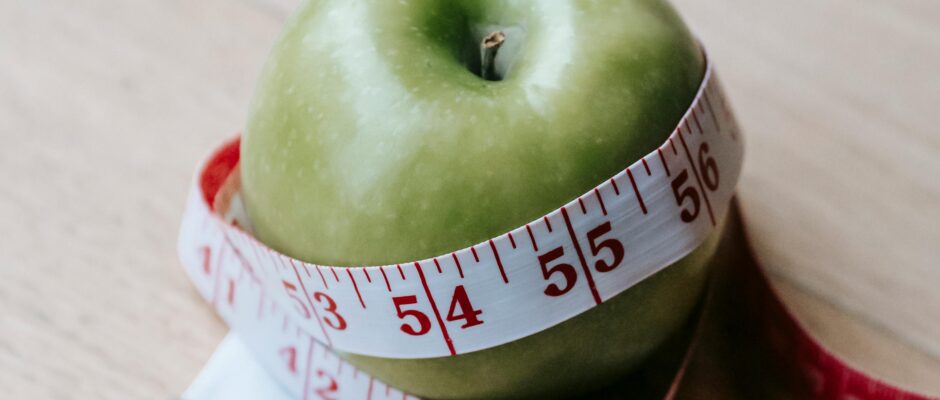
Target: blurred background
[{"x": 106, "y": 106}]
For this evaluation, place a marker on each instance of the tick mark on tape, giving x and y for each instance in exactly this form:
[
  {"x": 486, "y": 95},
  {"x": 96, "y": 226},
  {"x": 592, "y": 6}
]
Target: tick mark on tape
[
  {"x": 218, "y": 277},
  {"x": 231, "y": 292},
  {"x": 206, "y": 253},
  {"x": 246, "y": 266},
  {"x": 265, "y": 257},
  {"x": 473, "y": 249},
  {"x": 309, "y": 369},
  {"x": 614, "y": 184},
  {"x": 258, "y": 258},
  {"x": 438, "y": 265},
  {"x": 387, "y": 285},
  {"x": 511, "y": 240},
  {"x": 673, "y": 144},
  {"x": 499, "y": 262},
  {"x": 356, "y": 287},
  {"x": 547, "y": 223},
  {"x": 581, "y": 202},
  {"x": 365, "y": 271},
  {"x": 708, "y": 103},
  {"x": 326, "y": 285},
  {"x": 437, "y": 314},
  {"x": 400, "y": 271},
  {"x": 457, "y": 263},
  {"x": 646, "y": 166},
  {"x": 697, "y": 123},
  {"x": 663, "y": 159},
  {"x": 531, "y": 237},
  {"x": 577, "y": 249},
  {"x": 600, "y": 201},
  {"x": 333, "y": 270},
  {"x": 639, "y": 198}
]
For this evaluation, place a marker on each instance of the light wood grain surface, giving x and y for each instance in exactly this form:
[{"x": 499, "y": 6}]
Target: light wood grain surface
[{"x": 105, "y": 107}]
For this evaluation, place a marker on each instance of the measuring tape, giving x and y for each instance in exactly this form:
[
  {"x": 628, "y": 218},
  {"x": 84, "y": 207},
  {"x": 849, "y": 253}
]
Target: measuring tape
[
  {"x": 293, "y": 315},
  {"x": 527, "y": 280}
]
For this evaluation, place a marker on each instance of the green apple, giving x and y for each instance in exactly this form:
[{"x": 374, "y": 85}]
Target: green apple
[{"x": 381, "y": 133}]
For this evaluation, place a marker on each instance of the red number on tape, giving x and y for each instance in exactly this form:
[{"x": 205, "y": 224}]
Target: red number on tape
[
  {"x": 338, "y": 322},
  {"x": 467, "y": 312},
  {"x": 206, "y": 259},
  {"x": 567, "y": 270},
  {"x": 424, "y": 323},
  {"x": 709, "y": 168},
  {"x": 614, "y": 245},
  {"x": 290, "y": 354},
  {"x": 328, "y": 391},
  {"x": 710, "y": 178},
  {"x": 292, "y": 293},
  {"x": 690, "y": 192}
]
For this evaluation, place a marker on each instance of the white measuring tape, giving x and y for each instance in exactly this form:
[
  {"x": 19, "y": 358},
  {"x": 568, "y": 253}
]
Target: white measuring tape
[{"x": 291, "y": 313}]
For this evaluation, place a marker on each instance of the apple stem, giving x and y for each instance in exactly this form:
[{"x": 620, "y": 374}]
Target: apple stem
[{"x": 488, "y": 49}]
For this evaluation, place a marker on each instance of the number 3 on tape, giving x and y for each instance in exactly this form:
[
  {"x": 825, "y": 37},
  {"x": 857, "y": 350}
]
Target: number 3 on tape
[{"x": 629, "y": 227}]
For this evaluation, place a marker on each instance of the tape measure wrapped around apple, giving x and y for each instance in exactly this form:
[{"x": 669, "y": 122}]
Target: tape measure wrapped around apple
[
  {"x": 515, "y": 285},
  {"x": 390, "y": 132},
  {"x": 358, "y": 152}
]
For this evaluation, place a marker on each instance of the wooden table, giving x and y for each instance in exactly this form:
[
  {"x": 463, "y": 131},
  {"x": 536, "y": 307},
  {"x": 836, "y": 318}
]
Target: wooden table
[{"x": 105, "y": 107}]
